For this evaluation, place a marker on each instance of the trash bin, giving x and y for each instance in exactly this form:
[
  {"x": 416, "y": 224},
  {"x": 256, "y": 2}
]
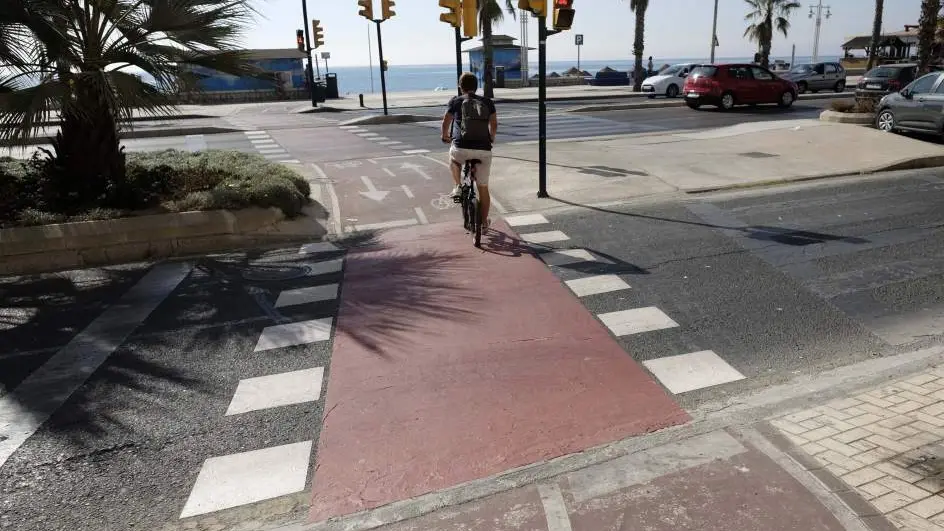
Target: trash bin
[
  {"x": 320, "y": 90},
  {"x": 500, "y": 77},
  {"x": 331, "y": 84}
]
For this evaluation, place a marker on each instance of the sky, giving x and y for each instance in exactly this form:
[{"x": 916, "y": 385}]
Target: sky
[{"x": 674, "y": 29}]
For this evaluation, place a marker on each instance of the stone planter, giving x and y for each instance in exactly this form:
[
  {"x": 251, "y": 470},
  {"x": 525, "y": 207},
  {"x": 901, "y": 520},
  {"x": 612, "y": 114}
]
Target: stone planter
[
  {"x": 859, "y": 118},
  {"x": 44, "y": 248}
]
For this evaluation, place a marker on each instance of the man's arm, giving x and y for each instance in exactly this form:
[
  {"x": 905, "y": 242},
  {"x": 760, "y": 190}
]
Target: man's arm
[{"x": 447, "y": 125}]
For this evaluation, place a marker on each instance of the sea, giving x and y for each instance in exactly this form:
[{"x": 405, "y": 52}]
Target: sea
[{"x": 353, "y": 80}]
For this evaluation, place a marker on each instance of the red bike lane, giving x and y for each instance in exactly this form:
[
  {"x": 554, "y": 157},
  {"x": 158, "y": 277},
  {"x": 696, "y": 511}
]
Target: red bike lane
[{"x": 452, "y": 364}]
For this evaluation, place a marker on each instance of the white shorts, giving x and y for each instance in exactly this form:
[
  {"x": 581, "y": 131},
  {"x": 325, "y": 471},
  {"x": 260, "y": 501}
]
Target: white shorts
[{"x": 483, "y": 170}]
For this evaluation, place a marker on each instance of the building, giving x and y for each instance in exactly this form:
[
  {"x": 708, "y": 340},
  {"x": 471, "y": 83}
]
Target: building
[
  {"x": 895, "y": 47},
  {"x": 507, "y": 55},
  {"x": 287, "y": 67}
]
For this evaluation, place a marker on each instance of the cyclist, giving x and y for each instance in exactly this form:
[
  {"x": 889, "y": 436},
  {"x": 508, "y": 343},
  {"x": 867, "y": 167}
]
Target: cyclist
[{"x": 470, "y": 124}]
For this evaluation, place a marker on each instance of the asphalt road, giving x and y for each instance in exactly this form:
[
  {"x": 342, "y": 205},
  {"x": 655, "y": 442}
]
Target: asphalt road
[{"x": 777, "y": 283}]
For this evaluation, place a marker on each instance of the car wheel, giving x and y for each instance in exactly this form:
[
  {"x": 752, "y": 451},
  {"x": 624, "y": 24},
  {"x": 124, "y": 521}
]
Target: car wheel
[
  {"x": 801, "y": 87},
  {"x": 727, "y": 101},
  {"x": 786, "y": 99},
  {"x": 672, "y": 91},
  {"x": 693, "y": 105},
  {"x": 840, "y": 86},
  {"x": 885, "y": 121}
]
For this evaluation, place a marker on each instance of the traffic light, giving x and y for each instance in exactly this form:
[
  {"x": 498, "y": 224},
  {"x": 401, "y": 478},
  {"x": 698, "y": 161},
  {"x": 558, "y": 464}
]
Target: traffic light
[
  {"x": 386, "y": 9},
  {"x": 385, "y": 65},
  {"x": 367, "y": 9},
  {"x": 563, "y": 14},
  {"x": 317, "y": 34},
  {"x": 470, "y": 18},
  {"x": 300, "y": 40},
  {"x": 537, "y": 8},
  {"x": 452, "y": 17}
]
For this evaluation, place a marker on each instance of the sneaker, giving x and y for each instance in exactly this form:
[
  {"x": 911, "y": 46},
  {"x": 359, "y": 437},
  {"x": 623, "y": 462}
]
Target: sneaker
[{"x": 456, "y": 192}]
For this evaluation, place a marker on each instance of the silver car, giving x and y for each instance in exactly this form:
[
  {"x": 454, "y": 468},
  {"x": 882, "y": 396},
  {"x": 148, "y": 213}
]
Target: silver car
[
  {"x": 814, "y": 77},
  {"x": 918, "y": 107}
]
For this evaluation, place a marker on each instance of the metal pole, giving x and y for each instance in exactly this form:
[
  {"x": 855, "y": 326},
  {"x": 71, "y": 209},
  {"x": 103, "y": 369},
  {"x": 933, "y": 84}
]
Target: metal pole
[
  {"x": 714, "y": 33},
  {"x": 542, "y": 106},
  {"x": 370, "y": 57},
  {"x": 819, "y": 24},
  {"x": 458, "y": 59},
  {"x": 326, "y": 65},
  {"x": 578, "y": 57},
  {"x": 317, "y": 66},
  {"x": 793, "y": 54},
  {"x": 383, "y": 74},
  {"x": 309, "y": 72}
]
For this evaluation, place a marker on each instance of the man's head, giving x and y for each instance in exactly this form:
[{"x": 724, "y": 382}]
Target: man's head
[{"x": 468, "y": 83}]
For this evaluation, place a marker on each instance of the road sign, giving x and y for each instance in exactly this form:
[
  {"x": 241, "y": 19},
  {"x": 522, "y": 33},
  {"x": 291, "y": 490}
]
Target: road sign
[
  {"x": 326, "y": 55},
  {"x": 578, "y": 40}
]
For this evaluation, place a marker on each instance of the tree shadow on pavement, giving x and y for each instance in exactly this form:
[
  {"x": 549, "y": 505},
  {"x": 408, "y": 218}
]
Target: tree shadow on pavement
[{"x": 780, "y": 235}]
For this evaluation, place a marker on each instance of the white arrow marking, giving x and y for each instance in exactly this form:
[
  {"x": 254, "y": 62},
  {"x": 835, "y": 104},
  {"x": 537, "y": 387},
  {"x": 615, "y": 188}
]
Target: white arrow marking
[
  {"x": 418, "y": 169},
  {"x": 372, "y": 192}
]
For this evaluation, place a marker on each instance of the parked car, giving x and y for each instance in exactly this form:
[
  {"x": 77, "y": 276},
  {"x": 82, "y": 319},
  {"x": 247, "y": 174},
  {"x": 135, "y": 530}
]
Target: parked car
[
  {"x": 668, "y": 81},
  {"x": 815, "y": 77},
  {"x": 917, "y": 107},
  {"x": 727, "y": 85},
  {"x": 885, "y": 79}
]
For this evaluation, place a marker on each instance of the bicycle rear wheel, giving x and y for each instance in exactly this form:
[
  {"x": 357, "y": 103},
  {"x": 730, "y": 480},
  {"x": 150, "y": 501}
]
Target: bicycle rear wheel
[{"x": 477, "y": 223}]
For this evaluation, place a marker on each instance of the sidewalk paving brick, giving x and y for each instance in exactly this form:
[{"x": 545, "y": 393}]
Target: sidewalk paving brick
[{"x": 887, "y": 444}]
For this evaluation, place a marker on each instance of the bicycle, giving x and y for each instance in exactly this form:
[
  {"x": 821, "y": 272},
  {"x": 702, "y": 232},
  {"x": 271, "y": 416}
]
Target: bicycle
[{"x": 469, "y": 199}]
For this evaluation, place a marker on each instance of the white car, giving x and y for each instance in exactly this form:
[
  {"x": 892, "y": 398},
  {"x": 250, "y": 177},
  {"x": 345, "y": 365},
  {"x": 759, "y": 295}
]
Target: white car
[{"x": 669, "y": 81}]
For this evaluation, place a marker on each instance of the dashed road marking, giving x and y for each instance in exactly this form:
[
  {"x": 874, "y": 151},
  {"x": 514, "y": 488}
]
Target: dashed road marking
[
  {"x": 407, "y": 191},
  {"x": 526, "y": 219},
  {"x": 597, "y": 284},
  {"x": 277, "y": 390},
  {"x": 693, "y": 371},
  {"x": 292, "y": 334},
  {"x": 308, "y": 295},
  {"x": 545, "y": 237},
  {"x": 421, "y": 216},
  {"x": 637, "y": 321}
]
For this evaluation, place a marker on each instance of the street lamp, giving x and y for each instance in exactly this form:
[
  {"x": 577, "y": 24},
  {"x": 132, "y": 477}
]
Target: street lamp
[{"x": 819, "y": 23}]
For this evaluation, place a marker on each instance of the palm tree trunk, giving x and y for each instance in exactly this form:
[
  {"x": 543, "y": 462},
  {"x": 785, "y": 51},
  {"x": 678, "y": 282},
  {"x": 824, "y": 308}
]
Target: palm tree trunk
[
  {"x": 489, "y": 60},
  {"x": 876, "y": 33},
  {"x": 639, "y": 46},
  {"x": 767, "y": 41},
  {"x": 927, "y": 26}
]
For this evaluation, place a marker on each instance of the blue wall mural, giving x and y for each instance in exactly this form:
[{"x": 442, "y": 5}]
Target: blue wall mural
[
  {"x": 510, "y": 58},
  {"x": 220, "y": 82}
]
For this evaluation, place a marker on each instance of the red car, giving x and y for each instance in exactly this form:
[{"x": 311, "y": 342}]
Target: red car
[{"x": 736, "y": 84}]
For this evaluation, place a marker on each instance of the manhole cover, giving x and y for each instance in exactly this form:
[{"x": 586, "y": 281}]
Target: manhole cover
[
  {"x": 758, "y": 155},
  {"x": 273, "y": 273}
]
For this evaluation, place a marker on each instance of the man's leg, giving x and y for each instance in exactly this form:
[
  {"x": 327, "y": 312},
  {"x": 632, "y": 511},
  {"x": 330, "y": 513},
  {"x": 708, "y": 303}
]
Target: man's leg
[{"x": 456, "y": 161}]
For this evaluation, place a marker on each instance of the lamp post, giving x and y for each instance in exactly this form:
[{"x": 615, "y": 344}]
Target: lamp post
[
  {"x": 819, "y": 24},
  {"x": 714, "y": 33}
]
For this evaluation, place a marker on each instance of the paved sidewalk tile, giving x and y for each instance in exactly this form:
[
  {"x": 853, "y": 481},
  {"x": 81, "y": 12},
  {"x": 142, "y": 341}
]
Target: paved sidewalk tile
[{"x": 887, "y": 444}]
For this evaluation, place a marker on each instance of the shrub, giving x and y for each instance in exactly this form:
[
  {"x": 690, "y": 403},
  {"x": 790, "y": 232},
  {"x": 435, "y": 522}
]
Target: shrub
[
  {"x": 842, "y": 105},
  {"x": 167, "y": 180}
]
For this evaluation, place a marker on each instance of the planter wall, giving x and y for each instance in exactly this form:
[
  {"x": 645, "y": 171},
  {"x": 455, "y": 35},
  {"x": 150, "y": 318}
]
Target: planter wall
[
  {"x": 847, "y": 117},
  {"x": 93, "y": 243}
]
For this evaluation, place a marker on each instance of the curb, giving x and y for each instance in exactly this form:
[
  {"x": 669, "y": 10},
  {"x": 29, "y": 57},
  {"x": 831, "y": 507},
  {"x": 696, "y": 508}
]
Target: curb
[
  {"x": 134, "y": 134},
  {"x": 917, "y": 163},
  {"x": 681, "y": 103},
  {"x": 389, "y": 119},
  {"x": 857, "y": 118}
]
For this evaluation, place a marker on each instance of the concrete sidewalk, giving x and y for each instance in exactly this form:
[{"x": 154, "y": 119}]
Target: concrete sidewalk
[{"x": 750, "y": 154}]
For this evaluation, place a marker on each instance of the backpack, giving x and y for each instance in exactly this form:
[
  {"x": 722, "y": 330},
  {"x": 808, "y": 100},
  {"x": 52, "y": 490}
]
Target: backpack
[{"x": 473, "y": 124}]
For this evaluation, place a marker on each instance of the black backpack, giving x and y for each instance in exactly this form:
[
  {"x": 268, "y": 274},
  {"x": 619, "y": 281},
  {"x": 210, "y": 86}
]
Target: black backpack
[{"x": 473, "y": 123}]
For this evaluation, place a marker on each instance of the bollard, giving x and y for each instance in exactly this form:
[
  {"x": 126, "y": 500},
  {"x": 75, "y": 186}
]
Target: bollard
[{"x": 362, "y": 99}]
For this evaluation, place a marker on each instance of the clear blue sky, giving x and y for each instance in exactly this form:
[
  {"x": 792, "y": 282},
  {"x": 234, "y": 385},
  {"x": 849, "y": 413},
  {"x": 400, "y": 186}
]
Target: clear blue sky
[{"x": 674, "y": 28}]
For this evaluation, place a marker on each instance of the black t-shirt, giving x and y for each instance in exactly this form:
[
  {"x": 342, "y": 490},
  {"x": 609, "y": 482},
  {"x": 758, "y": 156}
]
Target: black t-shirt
[{"x": 455, "y": 108}]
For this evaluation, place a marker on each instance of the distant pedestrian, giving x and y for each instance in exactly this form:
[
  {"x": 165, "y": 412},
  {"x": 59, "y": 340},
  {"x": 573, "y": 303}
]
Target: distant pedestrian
[{"x": 650, "y": 66}]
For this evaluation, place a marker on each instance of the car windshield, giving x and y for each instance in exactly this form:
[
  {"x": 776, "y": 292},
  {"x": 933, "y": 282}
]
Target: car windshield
[
  {"x": 882, "y": 72},
  {"x": 801, "y": 69},
  {"x": 706, "y": 71},
  {"x": 672, "y": 70}
]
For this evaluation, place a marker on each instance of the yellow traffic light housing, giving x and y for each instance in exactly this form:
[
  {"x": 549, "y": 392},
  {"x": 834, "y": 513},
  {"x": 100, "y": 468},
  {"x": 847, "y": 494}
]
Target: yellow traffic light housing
[
  {"x": 300, "y": 40},
  {"x": 386, "y": 9},
  {"x": 367, "y": 9},
  {"x": 453, "y": 18},
  {"x": 563, "y": 14},
  {"x": 537, "y": 8},
  {"x": 317, "y": 34},
  {"x": 470, "y": 18}
]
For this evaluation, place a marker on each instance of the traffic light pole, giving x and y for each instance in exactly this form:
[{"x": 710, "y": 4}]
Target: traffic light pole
[
  {"x": 459, "y": 40},
  {"x": 383, "y": 73},
  {"x": 543, "y": 34},
  {"x": 310, "y": 71}
]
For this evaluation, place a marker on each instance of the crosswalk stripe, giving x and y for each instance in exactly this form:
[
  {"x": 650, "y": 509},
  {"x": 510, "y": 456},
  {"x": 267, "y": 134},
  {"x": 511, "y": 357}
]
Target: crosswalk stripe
[
  {"x": 692, "y": 371},
  {"x": 596, "y": 284},
  {"x": 277, "y": 390},
  {"x": 292, "y": 334},
  {"x": 637, "y": 321},
  {"x": 294, "y": 297}
]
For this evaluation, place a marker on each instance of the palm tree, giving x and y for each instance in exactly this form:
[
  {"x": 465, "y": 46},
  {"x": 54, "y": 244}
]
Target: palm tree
[
  {"x": 765, "y": 17},
  {"x": 490, "y": 12},
  {"x": 876, "y": 33},
  {"x": 927, "y": 27},
  {"x": 639, "y": 7},
  {"x": 73, "y": 57}
]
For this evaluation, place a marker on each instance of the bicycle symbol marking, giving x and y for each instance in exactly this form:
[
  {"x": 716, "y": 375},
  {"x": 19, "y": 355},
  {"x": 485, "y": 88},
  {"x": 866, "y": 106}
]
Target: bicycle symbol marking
[{"x": 443, "y": 202}]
